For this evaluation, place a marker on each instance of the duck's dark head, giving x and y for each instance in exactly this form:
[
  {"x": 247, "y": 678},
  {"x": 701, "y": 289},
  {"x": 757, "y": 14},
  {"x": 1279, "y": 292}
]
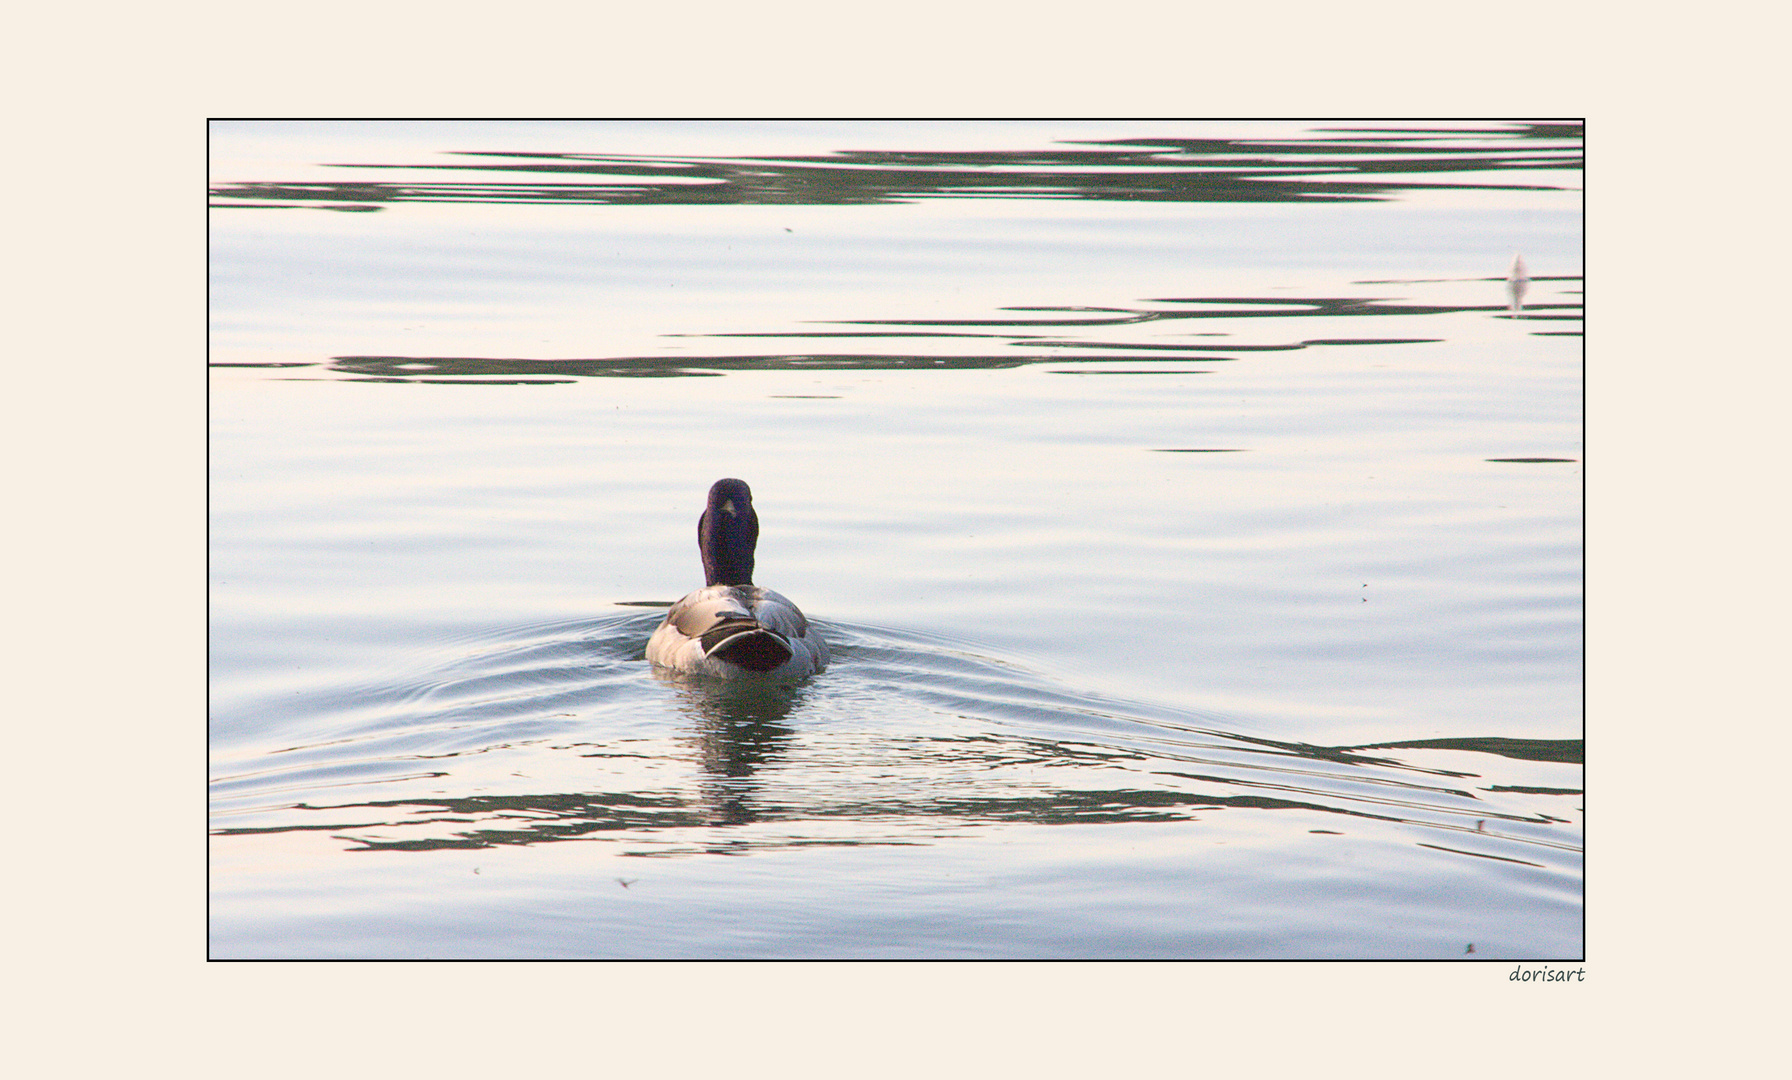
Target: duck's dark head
[{"x": 727, "y": 533}]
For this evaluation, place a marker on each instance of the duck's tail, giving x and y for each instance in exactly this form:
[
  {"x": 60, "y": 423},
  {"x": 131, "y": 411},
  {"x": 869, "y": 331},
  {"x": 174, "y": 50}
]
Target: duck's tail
[{"x": 744, "y": 642}]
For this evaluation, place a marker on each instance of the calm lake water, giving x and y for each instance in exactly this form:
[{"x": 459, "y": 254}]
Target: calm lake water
[{"x": 1196, "y": 527}]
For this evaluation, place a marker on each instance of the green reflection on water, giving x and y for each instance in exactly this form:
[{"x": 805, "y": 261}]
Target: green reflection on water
[
  {"x": 1325, "y": 166},
  {"x": 424, "y": 369}
]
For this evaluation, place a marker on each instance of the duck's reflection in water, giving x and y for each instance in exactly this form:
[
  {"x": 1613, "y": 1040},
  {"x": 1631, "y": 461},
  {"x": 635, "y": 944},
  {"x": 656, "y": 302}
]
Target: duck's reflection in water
[{"x": 737, "y": 728}]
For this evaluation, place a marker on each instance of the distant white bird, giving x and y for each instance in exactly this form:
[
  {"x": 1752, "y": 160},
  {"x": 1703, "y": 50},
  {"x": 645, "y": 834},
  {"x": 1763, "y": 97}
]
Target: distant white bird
[
  {"x": 733, "y": 628},
  {"x": 1518, "y": 282}
]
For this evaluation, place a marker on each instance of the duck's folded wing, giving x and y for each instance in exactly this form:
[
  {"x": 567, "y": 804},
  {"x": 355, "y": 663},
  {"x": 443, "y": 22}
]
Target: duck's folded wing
[
  {"x": 775, "y": 611},
  {"x": 702, "y": 611}
]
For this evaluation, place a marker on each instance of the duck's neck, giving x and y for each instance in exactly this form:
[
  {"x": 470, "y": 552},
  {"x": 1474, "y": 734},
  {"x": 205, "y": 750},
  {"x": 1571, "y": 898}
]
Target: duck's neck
[{"x": 726, "y": 537}]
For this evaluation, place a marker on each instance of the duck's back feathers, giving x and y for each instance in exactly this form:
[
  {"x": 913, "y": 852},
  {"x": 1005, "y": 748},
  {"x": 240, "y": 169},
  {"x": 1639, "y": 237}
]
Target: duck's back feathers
[{"x": 730, "y": 630}]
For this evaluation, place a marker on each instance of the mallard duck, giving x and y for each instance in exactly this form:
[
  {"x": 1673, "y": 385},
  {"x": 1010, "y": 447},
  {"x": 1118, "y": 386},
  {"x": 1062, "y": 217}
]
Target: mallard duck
[{"x": 733, "y": 628}]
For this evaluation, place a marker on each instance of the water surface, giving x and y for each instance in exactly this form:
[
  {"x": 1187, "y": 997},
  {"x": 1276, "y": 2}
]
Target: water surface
[{"x": 1196, "y": 527}]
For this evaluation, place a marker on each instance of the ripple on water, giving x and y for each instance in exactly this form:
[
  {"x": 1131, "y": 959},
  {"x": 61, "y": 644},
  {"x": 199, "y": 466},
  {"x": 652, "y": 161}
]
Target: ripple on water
[{"x": 562, "y": 731}]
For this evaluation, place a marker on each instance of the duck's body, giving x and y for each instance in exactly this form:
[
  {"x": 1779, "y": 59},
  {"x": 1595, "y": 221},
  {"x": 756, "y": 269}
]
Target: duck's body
[{"x": 733, "y": 628}]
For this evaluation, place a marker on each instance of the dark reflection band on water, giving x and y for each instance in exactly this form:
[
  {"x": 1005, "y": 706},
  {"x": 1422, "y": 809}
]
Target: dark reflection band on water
[
  {"x": 1322, "y": 165},
  {"x": 769, "y": 767},
  {"x": 1059, "y": 348}
]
